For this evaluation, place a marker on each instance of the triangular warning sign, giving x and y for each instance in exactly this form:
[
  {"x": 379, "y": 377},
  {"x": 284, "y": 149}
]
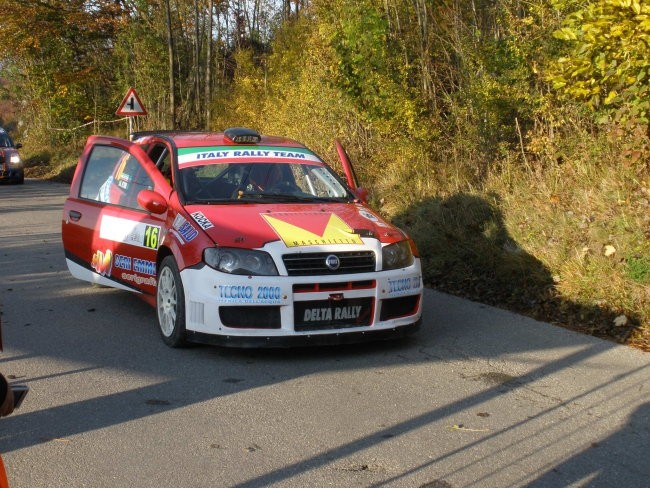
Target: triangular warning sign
[{"x": 131, "y": 105}]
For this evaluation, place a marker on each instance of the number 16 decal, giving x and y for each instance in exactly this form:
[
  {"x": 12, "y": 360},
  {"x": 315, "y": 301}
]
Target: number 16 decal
[{"x": 151, "y": 237}]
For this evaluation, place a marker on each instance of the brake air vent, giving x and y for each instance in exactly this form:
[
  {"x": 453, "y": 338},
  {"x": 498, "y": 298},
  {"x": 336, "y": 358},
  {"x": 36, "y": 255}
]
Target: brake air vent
[
  {"x": 245, "y": 317},
  {"x": 320, "y": 263}
]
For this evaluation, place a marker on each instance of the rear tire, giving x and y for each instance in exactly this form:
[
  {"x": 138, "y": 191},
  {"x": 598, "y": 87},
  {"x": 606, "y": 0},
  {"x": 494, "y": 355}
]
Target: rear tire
[{"x": 170, "y": 304}]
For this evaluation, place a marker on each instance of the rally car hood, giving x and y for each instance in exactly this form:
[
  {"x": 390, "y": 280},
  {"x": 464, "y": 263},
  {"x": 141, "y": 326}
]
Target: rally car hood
[{"x": 252, "y": 225}]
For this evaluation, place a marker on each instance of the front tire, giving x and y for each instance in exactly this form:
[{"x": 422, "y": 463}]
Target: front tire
[{"x": 170, "y": 304}]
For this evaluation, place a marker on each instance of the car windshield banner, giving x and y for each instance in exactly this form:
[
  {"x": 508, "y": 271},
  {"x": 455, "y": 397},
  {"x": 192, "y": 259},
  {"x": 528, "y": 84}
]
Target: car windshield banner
[{"x": 224, "y": 154}]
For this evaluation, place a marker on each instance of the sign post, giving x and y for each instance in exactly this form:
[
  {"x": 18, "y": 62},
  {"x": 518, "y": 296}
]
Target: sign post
[{"x": 130, "y": 107}]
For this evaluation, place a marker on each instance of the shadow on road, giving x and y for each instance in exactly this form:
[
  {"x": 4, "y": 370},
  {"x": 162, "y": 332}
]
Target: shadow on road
[{"x": 593, "y": 467}]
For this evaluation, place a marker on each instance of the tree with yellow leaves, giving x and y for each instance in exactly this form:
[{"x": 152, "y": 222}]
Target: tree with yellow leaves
[{"x": 608, "y": 63}]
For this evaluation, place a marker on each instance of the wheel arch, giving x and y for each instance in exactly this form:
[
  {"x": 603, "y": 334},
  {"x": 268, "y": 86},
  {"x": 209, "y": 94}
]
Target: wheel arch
[{"x": 163, "y": 252}]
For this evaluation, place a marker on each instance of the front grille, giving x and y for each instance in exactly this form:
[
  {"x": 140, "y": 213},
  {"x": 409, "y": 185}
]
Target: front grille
[
  {"x": 245, "y": 317},
  {"x": 327, "y": 287},
  {"x": 310, "y": 264}
]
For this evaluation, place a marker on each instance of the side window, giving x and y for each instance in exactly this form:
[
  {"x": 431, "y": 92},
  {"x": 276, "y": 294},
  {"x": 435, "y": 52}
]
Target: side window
[
  {"x": 130, "y": 178},
  {"x": 99, "y": 168},
  {"x": 160, "y": 156},
  {"x": 114, "y": 176}
]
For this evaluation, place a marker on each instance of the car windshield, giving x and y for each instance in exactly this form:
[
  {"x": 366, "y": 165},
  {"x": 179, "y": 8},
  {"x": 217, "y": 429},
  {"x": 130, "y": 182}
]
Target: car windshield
[
  {"x": 261, "y": 182},
  {"x": 5, "y": 141}
]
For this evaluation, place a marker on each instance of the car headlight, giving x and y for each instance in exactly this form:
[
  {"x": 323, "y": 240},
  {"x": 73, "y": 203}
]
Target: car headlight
[
  {"x": 240, "y": 261},
  {"x": 14, "y": 159},
  {"x": 397, "y": 255}
]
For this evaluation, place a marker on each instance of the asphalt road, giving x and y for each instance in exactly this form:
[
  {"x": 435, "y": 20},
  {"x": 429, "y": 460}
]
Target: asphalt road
[{"x": 480, "y": 397}]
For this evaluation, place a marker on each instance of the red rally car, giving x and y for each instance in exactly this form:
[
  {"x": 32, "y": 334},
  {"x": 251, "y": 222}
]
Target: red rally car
[{"x": 239, "y": 239}]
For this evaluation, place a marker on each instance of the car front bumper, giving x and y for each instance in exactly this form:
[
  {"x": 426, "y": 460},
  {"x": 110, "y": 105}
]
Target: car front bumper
[
  {"x": 283, "y": 311},
  {"x": 11, "y": 173},
  {"x": 304, "y": 340}
]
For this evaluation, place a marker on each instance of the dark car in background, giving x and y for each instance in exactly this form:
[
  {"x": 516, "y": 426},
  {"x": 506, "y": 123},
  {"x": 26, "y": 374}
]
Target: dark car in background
[{"x": 11, "y": 165}]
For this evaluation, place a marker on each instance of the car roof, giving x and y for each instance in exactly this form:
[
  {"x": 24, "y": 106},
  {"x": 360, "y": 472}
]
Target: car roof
[{"x": 183, "y": 139}]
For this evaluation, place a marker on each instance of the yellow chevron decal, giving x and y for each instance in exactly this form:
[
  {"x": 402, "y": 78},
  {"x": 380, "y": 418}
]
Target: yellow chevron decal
[{"x": 335, "y": 231}]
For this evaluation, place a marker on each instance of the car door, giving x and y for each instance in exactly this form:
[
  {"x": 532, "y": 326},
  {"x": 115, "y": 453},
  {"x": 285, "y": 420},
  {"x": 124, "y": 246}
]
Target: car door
[
  {"x": 108, "y": 237},
  {"x": 350, "y": 175}
]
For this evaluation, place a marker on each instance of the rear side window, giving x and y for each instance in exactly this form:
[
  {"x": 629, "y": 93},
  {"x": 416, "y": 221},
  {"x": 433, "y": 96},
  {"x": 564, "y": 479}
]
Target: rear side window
[
  {"x": 114, "y": 176},
  {"x": 99, "y": 167}
]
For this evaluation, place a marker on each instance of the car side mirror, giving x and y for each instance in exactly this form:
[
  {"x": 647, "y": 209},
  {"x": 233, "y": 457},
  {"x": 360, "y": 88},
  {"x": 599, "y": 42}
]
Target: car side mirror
[
  {"x": 152, "y": 201},
  {"x": 18, "y": 145},
  {"x": 362, "y": 194}
]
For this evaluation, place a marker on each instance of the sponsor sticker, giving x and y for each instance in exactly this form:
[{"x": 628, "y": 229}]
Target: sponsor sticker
[
  {"x": 202, "y": 220},
  {"x": 145, "y": 267},
  {"x": 102, "y": 262},
  {"x": 131, "y": 232},
  {"x": 124, "y": 181},
  {"x": 139, "y": 280},
  {"x": 332, "y": 313},
  {"x": 349, "y": 312},
  {"x": 122, "y": 262},
  {"x": 184, "y": 229},
  {"x": 249, "y": 294},
  {"x": 404, "y": 286},
  {"x": 136, "y": 265},
  {"x": 228, "y": 153},
  {"x": 372, "y": 217},
  {"x": 311, "y": 229}
]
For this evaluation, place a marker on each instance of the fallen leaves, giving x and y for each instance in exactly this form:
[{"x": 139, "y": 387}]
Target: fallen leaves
[
  {"x": 609, "y": 250},
  {"x": 620, "y": 321}
]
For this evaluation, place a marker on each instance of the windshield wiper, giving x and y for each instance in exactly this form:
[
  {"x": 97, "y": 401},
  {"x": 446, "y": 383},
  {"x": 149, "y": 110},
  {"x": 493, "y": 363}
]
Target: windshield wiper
[
  {"x": 209, "y": 202},
  {"x": 285, "y": 198},
  {"x": 269, "y": 197}
]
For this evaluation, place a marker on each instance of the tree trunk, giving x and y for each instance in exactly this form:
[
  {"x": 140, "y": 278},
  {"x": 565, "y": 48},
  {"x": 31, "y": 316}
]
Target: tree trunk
[
  {"x": 197, "y": 65},
  {"x": 208, "y": 68},
  {"x": 172, "y": 82}
]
